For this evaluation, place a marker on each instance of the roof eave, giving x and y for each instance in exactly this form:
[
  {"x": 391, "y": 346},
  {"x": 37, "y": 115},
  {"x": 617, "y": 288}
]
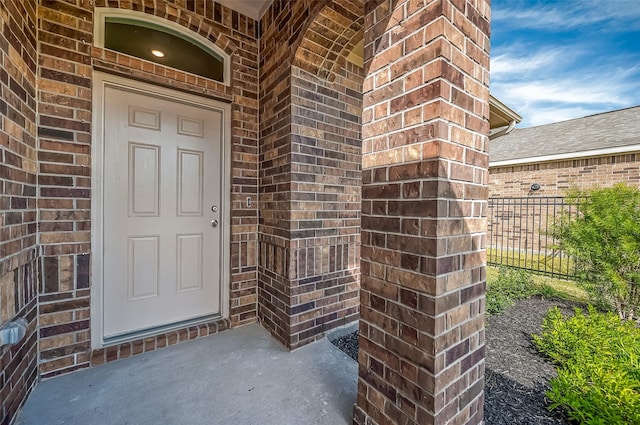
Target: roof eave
[
  {"x": 501, "y": 114},
  {"x": 566, "y": 156}
]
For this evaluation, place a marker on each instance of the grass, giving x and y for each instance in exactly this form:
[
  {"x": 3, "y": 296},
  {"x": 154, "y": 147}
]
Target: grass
[
  {"x": 550, "y": 287},
  {"x": 527, "y": 260},
  {"x": 507, "y": 285}
]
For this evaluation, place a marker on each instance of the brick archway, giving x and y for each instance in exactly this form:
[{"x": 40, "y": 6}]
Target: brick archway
[
  {"x": 424, "y": 158},
  {"x": 310, "y": 172},
  {"x": 324, "y": 208},
  {"x": 330, "y": 37}
]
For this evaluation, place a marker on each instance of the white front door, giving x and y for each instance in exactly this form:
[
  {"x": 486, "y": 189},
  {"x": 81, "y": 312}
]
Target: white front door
[{"x": 162, "y": 184}]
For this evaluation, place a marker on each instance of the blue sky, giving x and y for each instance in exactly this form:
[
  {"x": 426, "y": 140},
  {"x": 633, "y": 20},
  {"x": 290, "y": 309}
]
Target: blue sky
[{"x": 556, "y": 60}]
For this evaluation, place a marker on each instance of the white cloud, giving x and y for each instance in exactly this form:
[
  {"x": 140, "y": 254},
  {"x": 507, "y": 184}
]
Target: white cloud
[
  {"x": 547, "y": 84},
  {"x": 547, "y": 99},
  {"x": 515, "y": 62},
  {"x": 569, "y": 91},
  {"x": 570, "y": 14},
  {"x": 506, "y": 64}
]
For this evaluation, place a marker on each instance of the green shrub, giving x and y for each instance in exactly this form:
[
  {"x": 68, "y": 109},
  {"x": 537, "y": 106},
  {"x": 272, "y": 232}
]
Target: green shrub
[
  {"x": 598, "y": 359},
  {"x": 604, "y": 239},
  {"x": 510, "y": 286}
]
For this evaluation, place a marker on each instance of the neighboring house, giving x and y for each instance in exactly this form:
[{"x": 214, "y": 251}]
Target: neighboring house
[
  {"x": 601, "y": 149},
  {"x": 173, "y": 168},
  {"x": 531, "y": 169}
]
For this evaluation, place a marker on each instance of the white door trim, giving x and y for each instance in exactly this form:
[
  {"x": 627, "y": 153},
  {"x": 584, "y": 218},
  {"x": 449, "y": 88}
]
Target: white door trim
[{"x": 100, "y": 82}]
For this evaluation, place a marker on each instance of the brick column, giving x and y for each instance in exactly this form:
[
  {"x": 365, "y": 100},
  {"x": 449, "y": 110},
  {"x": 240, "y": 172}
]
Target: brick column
[
  {"x": 425, "y": 126},
  {"x": 310, "y": 178}
]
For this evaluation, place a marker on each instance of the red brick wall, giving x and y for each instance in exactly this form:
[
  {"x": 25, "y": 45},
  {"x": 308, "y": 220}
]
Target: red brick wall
[
  {"x": 326, "y": 171},
  {"x": 64, "y": 176},
  {"x": 67, "y": 57},
  {"x": 279, "y": 25},
  {"x": 556, "y": 178},
  {"x": 18, "y": 159}
]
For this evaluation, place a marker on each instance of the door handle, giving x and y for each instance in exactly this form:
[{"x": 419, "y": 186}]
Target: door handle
[{"x": 214, "y": 223}]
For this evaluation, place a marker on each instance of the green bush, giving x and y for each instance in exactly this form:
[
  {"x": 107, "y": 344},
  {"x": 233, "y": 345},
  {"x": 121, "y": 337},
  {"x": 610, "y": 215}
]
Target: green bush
[
  {"x": 598, "y": 359},
  {"x": 510, "y": 286},
  {"x": 604, "y": 239}
]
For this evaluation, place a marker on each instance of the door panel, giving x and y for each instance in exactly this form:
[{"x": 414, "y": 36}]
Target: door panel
[
  {"x": 189, "y": 262},
  {"x": 162, "y": 175},
  {"x": 144, "y": 180},
  {"x": 190, "y": 183},
  {"x": 142, "y": 263}
]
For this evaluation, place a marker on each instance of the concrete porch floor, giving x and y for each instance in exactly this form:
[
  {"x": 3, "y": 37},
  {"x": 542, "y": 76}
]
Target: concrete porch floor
[{"x": 238, "y": 377}]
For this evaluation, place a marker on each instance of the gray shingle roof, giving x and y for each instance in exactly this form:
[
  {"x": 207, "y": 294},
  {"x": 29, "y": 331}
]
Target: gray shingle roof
[{"x": 600, "y": 131}]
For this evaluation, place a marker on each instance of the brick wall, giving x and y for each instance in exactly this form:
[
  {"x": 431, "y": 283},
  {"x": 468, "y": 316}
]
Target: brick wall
[
  {"x": 325, "y": 206},
  {"x": 18, "y": 250},
  {"x": 425, "y": 126},
  {"x": 326, "y": 172},
  {"x": 274, "y": 164},
  {"x": 310, "y": 168},
  {"x": 64, "y": 176},
  {"x": 556, "y": 178},
  {"x": 67, "y": 57},
  {"x": 280, "y": 26}
]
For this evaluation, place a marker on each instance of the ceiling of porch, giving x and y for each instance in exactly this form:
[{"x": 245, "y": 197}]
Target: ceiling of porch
[{"x": 251, "y": 8}]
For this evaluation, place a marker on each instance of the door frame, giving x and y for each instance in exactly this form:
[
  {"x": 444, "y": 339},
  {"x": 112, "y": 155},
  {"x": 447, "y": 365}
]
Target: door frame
[{"x": 101, "y": 81}]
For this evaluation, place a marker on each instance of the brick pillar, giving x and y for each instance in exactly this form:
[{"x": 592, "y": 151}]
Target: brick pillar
[
  {"x": 310, "y": 108},
  {"x": 425, "y": 126}
]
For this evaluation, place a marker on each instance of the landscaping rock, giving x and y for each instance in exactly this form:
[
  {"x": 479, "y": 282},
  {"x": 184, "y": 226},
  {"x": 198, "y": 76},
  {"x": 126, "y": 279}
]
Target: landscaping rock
[
  {"x": 349, "y": 344},
  {"x": 517, "y": 375}
]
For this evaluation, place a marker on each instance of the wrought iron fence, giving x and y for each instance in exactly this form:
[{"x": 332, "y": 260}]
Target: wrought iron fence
[{"x": 519, "y": 235}]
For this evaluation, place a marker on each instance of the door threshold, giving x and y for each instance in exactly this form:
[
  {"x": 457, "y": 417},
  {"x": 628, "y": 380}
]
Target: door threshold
[{"x": 157, "y": 330}]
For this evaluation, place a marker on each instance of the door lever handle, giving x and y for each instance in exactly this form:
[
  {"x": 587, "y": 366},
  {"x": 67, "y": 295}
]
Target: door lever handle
[{"x": 214, "y": 223}]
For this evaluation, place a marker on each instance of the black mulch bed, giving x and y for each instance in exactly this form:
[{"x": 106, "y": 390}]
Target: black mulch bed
[{"x": 517, "y": 376}]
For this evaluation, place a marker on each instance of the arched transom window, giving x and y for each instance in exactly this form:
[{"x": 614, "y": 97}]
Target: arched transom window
[{"x": 163, "y": 42}]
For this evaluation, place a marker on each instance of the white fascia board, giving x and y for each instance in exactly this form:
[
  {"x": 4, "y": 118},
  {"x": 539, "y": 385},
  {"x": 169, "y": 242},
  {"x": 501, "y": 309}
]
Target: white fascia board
[
  {"x": 565, "y": 156},
  {"x": 507, "y": 113}
]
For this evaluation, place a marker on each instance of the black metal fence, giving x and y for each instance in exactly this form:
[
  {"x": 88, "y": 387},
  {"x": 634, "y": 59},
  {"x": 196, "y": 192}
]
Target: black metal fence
[{"x": 519, "y": 235}]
